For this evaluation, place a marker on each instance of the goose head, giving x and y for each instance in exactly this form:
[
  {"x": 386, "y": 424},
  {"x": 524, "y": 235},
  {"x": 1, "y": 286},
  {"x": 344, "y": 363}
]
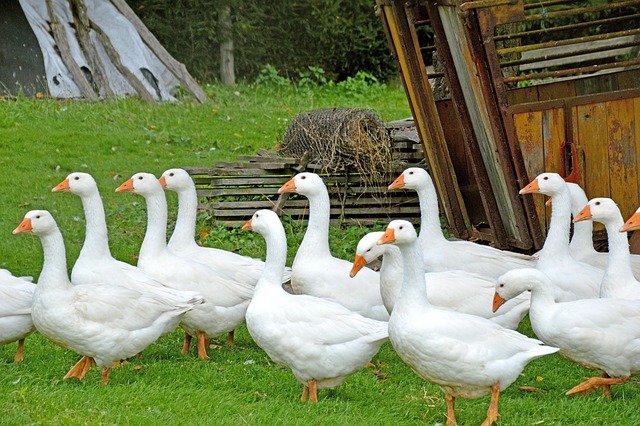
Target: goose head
[
  {"x": 545, "y": 183},
  {"x": 516, "y": 281},
  {"x": 367, "y": 251},
  {"x": 307, "y": 184},
  {"x": 142, "y": 184},
  {"x": 38, "y": 222},
  {"x": 633, "y": 223},
  {"x": 176, "y": 180},
  {"x": 599, "y": 209},
  {"x": 262, "y": 222},
  {"x": 77, "y": 183},
  {"x": 412, "y": 178},
  {"x": 399, "y": 232}
]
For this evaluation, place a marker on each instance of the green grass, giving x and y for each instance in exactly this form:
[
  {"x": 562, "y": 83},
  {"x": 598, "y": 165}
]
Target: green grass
[{"x": 42, "y": 141}]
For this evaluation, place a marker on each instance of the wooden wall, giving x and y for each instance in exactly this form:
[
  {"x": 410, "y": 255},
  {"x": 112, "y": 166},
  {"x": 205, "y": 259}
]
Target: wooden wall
[{"x": 606, "y": 133}]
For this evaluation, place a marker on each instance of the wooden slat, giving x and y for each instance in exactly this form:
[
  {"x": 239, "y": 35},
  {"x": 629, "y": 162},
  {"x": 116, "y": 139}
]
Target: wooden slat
[
  {"x": 622, "y": 154},
  {"x": 528, "y": 127},
  {"x": 592, "y": 136}
]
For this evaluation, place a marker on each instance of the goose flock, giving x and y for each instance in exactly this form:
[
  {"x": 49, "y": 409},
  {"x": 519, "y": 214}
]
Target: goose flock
[{"x": 450, "y": 309}]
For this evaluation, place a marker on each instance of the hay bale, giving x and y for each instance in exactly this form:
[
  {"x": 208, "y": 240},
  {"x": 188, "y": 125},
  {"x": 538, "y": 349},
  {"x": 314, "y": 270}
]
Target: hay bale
[{"x": 340, "y": 139}]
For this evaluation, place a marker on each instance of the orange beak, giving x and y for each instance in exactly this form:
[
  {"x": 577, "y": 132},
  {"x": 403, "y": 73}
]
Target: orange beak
[
  {"x": 532, "y": 188},
  {"x": 25, "y": 226},
  {"x": 163, "y": 182},
  {"x": 632, "y": 224},
  {"x": 290, "y": 186},
  {"x": 497, "y": 301},
  {"x": 247, "y": 226},
  {"x": 585, "y": 214},
  {"x": 398, "y": 183},
  {"x": 358, "y": 264},
  {"x": 62, "y": 186},
  {"x": 388, "y": 236},
  {"x": 126, "y": 187}
]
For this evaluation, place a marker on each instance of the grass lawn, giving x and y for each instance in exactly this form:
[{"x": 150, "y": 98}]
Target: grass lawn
[{"x": 42, "y": 141}]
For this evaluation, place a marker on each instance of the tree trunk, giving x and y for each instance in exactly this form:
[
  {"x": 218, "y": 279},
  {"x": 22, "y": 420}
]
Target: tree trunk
[{"x": 227, "y": 72}]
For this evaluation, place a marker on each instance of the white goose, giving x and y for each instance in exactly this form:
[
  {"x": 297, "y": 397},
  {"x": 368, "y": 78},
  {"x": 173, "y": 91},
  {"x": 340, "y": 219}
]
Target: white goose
[
  {"x": 601, "y": 334},
  {"x": 226, "y": 299},
  {"x": 572, "y": 279},
  {"x": 245, "y": 269},
  {"x": 441, "y": 254},
  {"x": 16, "y": 296},
  {"x": 95, "y": 264},
  {"x": 459, "y": 291},
  {"x": 315, "y": 271},
  {"x": 465, "y": 355},
  {"x": 104, "y": 323},
  {"x": 321, "y": 341},
  {"x": 618, "y": 278}
]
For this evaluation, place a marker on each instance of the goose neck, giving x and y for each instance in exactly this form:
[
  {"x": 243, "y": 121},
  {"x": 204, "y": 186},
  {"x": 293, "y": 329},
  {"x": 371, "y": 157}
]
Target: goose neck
[
  {"x": 275, "y": 261},
  {"x": 96, "y": 234},
  {"x": 556, "y": 246},
  {"x": 54, "y": 267},
  {"x": 619, "y": 259},
  {"x": 185, "y": 230},
  {"x": 430, "y": 228},
  {"x": 413, "y": 291},
  {"x": 155, "y": 237},
  {"x": 391, "y": 276},
  {"x": 317, "y": 235}
]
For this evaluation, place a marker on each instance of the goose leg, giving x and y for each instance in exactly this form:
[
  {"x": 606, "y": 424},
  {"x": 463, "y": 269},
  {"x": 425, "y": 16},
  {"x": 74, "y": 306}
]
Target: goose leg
[
  {"x": 313, "y": 391},
  {"x": 595, "y": 382},
  {"x": 230, "y": 339},
  {"x": 187, "y": 343},
  {"x": 105, "y": 375},
  {"x": 20, "y": 352},
  {"x": 202, "y": 345},
  {"x": 492, "y": 413},
  {"x": 451, "y": 412},
  {"x": 305, "y": 394},
  {"x": 80, "y": 368}
]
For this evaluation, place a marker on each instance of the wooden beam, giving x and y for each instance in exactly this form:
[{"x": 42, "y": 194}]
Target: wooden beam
[
  {"x": 131, "y": 78},
  {"x": 83, "y": 29},
  {"x": 60, "y": 36}
]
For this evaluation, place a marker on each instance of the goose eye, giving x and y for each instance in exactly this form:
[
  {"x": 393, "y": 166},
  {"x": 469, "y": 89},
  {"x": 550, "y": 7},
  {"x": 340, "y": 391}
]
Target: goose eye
[
  {"x": 546, "y": 178},
  {"x": 597, "y": 203},
  {"x": 401, "y": 227},
  {"x": 303, "y": 177},
  {"x": 501, "y": 285},
  {"x": 171, "y": 174},
  {"x": 38, "y": 217},
  {"x": 77, "y": 178},
  {"x": 140, "y": 178},
  {"x": 368, "y": 250},
  {"x": 410, "y": 173}
]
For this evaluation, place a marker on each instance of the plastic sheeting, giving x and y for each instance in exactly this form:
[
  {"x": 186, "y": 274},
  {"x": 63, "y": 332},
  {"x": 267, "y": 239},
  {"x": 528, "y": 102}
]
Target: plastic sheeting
[{"x": 134, "y": 53}]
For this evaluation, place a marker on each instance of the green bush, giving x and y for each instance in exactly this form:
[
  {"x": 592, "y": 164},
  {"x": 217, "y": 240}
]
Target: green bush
[{"x": 297, "y": 38}]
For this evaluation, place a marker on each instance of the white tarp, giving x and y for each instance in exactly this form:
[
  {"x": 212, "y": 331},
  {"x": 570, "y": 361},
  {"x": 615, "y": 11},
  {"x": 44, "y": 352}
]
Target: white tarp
[{"x": 134, "y": 53}]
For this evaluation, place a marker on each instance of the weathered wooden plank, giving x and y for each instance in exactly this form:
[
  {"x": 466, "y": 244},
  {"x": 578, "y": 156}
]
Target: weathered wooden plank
[
  {"x": 636, "y": 109},
  {"x": 592, "y": 136},
  {"x": 528, "y": 126},
  {"x": 553, "y": 138},
  {"x": 262, "y": 165},
  {"x": 296, "y": 212},
  {"x": 553, "y": 135},
  {"x": 622, "y": 154},
  {"x": 261, "y": 158}
]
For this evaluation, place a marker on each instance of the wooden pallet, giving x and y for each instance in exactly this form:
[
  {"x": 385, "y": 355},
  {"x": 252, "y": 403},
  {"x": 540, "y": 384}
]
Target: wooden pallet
[{"x": 233, "y": 191}]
